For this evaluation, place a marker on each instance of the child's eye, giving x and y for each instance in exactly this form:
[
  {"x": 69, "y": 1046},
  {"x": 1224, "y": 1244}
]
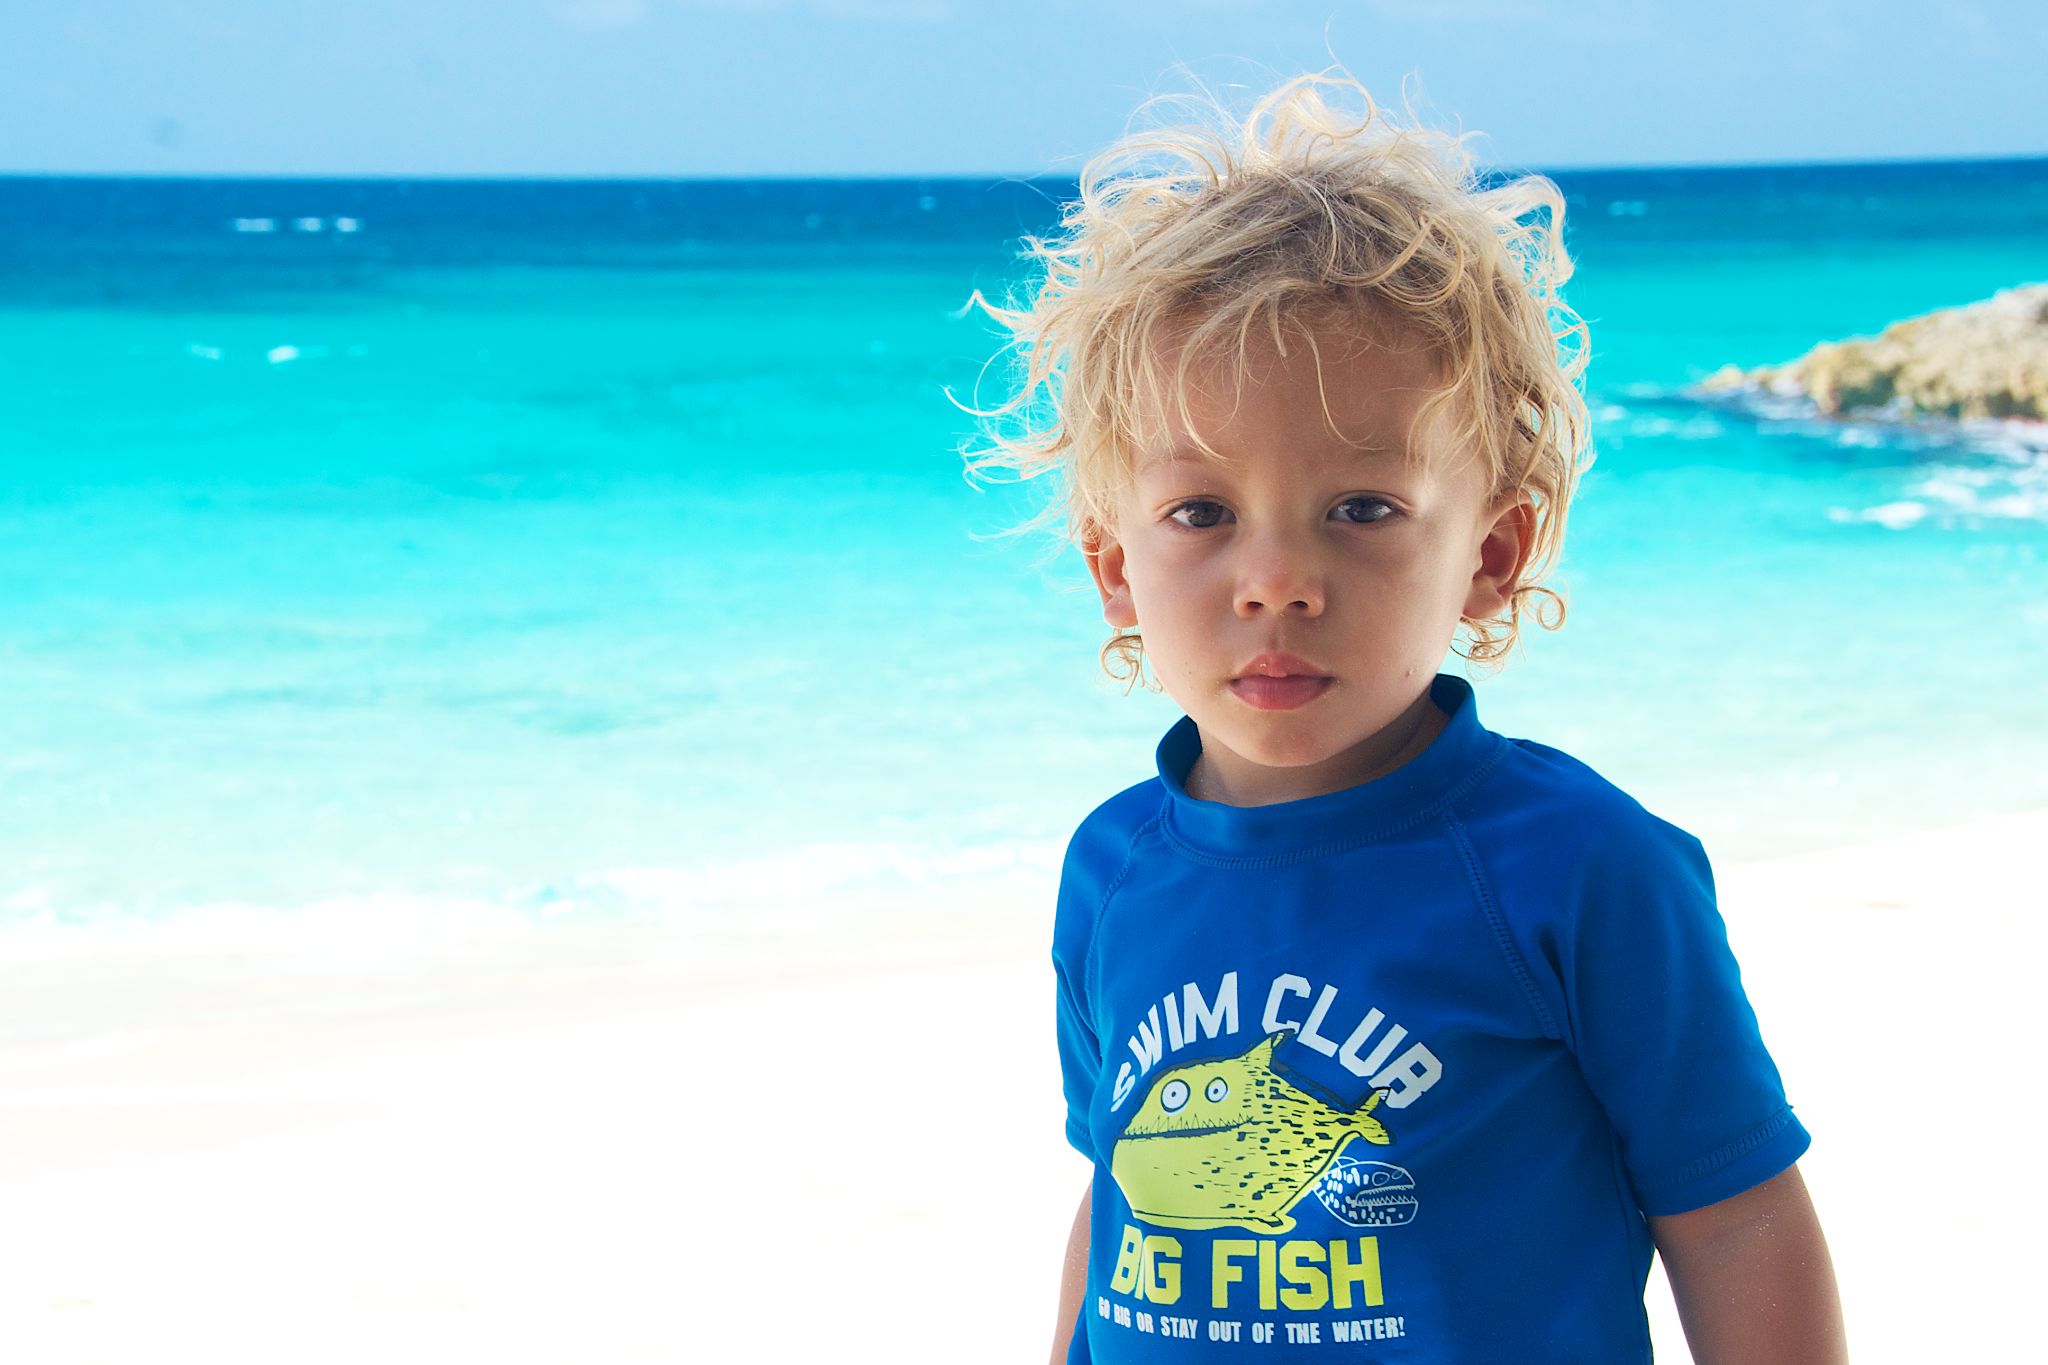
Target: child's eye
[
  {"x": 1200, "y": 513},
  {"x": 1362, "y": 511}
]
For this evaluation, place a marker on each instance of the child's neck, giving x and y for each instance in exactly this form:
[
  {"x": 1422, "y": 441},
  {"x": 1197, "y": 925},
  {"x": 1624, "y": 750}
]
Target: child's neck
[{"x": 1423, "y": 724}]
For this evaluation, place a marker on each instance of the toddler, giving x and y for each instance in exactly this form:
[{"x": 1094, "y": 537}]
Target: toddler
[{"x": 1390, "y": 1039}]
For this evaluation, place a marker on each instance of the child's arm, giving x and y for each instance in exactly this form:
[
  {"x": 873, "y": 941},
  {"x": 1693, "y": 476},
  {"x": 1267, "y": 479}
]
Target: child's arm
[
  {"x": 1752, "y": 1278},
  {"x": 1073, "y": 1279}
]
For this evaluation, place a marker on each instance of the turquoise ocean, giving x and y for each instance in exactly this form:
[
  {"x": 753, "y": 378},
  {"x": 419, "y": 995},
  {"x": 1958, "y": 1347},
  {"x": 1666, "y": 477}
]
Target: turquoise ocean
[{"x": 378, "y": 557}]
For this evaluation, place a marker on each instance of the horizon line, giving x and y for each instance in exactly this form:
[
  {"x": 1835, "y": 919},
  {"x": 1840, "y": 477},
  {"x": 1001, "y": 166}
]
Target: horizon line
[{"x": 991, "y": 177}]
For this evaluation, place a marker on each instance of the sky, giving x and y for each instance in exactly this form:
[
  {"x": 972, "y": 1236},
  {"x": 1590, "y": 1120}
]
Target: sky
[{"x": 950, "y": 87}]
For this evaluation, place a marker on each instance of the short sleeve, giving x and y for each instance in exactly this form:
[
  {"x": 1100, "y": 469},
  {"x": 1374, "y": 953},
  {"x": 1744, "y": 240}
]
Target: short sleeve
[
  {"x": 1098, "y": 857},
  {"x": 1663, "y": 1031},
  {"x": 1080, "y": 1060},
  {"x": 1080, "y": 898}
]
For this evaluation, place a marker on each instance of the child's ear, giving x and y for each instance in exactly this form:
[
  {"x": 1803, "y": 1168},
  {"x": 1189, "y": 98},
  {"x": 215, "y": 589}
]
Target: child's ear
[
  {"x": 1503, "y": 554},
  {"x": 1106, "y": 566}
]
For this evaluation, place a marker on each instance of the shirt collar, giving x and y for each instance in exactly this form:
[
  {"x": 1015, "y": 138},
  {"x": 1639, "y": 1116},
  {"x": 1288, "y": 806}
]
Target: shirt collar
[{"x": 1355, "y": 815}]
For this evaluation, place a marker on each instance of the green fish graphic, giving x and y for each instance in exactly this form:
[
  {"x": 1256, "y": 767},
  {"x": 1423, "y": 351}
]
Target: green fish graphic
[{"x": 1230, "y": 1143}]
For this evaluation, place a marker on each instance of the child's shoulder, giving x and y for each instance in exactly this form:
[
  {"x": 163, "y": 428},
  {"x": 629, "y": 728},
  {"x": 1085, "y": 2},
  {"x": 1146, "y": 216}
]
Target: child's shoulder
[
  {"x": 1563, "y": 806},
  {"x": 1097, "y": 857},
  {"x": 1118, "y": 821}
]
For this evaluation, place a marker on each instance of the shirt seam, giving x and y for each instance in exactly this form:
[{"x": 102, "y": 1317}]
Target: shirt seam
[
  {"x": 1724, "y": 1155},
  {"x": 1422, "y": 815},
  {"x": 1496, "y": 921},
  {"x": 1090, "y": 968}
]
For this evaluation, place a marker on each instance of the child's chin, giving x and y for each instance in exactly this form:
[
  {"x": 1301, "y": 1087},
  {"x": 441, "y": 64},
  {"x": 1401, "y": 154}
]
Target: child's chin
[
  {"x": 1311, "y": 752},
  {"x": 1286, "y": 753}
]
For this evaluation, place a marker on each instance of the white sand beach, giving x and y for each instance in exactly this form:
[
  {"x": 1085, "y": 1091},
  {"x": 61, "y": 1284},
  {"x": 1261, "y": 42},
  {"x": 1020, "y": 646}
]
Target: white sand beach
[{"x": 591, "y": 1145}]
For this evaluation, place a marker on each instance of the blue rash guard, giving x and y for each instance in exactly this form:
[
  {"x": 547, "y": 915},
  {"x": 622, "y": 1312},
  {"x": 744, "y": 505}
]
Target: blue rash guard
[{"x": 1394, "y": 1074}]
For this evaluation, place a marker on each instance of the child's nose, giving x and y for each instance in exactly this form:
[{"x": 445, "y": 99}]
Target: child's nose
[{"x": 1280, "y": 576}]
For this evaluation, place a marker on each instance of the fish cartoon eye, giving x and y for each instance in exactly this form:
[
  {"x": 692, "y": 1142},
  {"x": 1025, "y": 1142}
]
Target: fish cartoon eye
[
  {"x": 1218, "y": 1088},
  {"x": 1173, "y": 1096}
]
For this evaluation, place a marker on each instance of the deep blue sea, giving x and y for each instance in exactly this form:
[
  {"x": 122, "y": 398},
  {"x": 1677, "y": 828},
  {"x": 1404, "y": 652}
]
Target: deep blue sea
[{"x": 380, "y": 553}]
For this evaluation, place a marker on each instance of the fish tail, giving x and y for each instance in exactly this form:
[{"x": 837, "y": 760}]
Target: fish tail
[{"x": 1370, "y": 1128}]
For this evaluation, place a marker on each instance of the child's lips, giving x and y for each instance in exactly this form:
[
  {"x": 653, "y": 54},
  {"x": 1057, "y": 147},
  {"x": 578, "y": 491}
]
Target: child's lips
[{"x": 1283, "y": 693}]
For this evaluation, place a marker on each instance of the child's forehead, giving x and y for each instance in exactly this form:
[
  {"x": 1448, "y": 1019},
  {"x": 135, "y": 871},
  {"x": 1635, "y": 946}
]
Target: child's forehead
[
  {"x": 1253, "y": 344},
  {"x": 1328, "y": 351},
  {"x": 1343, "y": 398},
  {"x": 1426, "y": 464}
]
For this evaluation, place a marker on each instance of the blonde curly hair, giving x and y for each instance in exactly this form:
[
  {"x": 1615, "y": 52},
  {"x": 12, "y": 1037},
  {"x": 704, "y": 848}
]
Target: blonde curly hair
[{"x": 1193, "y": 235}]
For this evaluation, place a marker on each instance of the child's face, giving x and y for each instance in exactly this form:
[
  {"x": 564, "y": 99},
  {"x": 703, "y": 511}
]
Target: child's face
[{"x": 1297, "y": 601}]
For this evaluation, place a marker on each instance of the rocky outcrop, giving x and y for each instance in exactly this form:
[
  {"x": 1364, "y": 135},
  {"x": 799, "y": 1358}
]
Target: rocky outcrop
[{"x": 1987, "y": 359}]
